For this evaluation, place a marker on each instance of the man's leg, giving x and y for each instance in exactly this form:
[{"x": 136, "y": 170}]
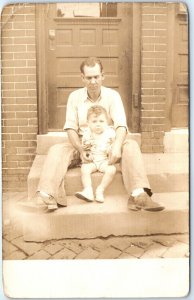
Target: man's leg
[
  {"x": 52, "y": 175},
  {"x": 135, "y": 178}
]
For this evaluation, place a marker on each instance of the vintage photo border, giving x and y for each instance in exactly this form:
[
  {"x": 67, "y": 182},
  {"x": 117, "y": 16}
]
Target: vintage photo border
[{"x": 119, "y": 277}]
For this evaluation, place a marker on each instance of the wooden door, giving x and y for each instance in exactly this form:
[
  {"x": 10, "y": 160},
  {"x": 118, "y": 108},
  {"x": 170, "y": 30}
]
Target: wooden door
[
  {"x": 181, "y": 95},
  {"x": 71, "y": 39}
]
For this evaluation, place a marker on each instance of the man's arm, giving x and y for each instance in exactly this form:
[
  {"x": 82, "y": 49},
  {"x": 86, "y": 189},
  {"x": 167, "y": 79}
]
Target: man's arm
[
  {"x": 115, "y": 152},
  {"x": 75, "y": 141}
]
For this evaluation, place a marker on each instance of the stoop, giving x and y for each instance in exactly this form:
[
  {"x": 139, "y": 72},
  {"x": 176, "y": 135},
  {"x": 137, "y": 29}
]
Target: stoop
[{"x": 168, "y": 176}]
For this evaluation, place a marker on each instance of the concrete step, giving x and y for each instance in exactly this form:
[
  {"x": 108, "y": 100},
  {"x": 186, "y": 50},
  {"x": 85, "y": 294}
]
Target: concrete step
[
  {"x": 167, "y": 172},
  {"x": 89, "y": 220}
]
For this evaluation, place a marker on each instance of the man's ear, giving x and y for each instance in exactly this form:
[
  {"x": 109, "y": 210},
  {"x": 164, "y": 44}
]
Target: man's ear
[
  {"x": 82, "y": 76},
  {"x": 103, "y": 76}
]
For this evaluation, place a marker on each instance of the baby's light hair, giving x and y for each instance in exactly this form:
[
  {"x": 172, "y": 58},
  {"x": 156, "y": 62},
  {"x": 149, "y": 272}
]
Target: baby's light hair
[{"x": 97, "y": 110}]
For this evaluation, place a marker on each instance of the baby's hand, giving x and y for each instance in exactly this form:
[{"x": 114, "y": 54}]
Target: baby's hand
[{"x": 86, "y": 146}]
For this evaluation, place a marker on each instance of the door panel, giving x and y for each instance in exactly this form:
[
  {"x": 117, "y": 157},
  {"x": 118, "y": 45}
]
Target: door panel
[{"x": 70, "y": 40}]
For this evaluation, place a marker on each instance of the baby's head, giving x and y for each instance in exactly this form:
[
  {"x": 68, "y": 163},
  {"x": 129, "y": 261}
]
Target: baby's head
[{"x": 97, "y": 119}]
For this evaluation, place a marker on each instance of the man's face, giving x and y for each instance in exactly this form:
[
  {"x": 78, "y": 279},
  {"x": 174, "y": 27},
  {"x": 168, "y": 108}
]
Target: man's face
[
  {"x": 93, "y": 78},
  {"x": 97, "y": 124}
]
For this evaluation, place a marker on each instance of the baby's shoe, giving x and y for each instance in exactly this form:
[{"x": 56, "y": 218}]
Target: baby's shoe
[
  {"x": 99, "y": 195},
  {"x": 86, "y": 194}
]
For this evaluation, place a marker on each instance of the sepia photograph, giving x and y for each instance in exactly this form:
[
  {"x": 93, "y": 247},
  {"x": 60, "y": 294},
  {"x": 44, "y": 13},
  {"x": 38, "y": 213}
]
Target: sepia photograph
[{"x": 95, "y": 136}]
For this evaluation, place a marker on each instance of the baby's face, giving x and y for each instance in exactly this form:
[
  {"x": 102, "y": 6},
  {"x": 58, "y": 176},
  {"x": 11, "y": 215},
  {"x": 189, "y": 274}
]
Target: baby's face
[{"x": 97, "y": 124}]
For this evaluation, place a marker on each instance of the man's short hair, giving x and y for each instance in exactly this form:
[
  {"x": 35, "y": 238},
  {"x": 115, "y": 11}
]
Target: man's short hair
[
  {"x": 91, "y": 62},
  {"x": 97, "y": 110}
]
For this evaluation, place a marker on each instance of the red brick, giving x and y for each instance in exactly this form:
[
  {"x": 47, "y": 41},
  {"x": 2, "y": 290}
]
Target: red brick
[
  {"x": 26, "y": 70},
  {"x": 161, "y": 18},
  {"x": 152, "y": 113},
  {"x": 160, "y": 47},
  {"x": 10, "y": 151},
  {"x": 32, "y": 93},
  {"x": 24, "y": 164},
  {"x": 154, "y": 10},
  {"x": 161, "y": 32},
  {"x": 7, "y": 10},
  {"x": 16, "y": 107},
  {"x": 23, "y": 25},
  {"x": 7, "y": 86},
  {"x": 155, "y": 84},
  {"x": 7, "y": 71},
  {"x": 148, "y": 32},
  {"x": 25, "y": 85},
  {"x": 24, "y": 56},
  {"x": 160, "y": 77},
  {"x": 12, "y": 129},
  {"x": 27, "y": 100},
  {"x": 148, "y": 62},
  {"x": 14, "y": 63},
  {"x": 26, "y": 115},
  {"x": 13, "y": 33},
  {"x": 30, "y": 18},
  {"x": 159, "y": 91},
  {"x": 146, "y": 106},
  {"x": 161, "y": 26},
  {"x": 153, "y": 69},
  {"x": 154, "y": 40},
  {"x": 147, "y": 77},
  {"x": 17, "y": 157},
  {"x": 6, "y": 41},
  {"x": 8, "y": 115},
  {"x": 158, "y": 148},
  {"x": 147, "y": 91},
  {"x": 28, "y": 129},
  {"x": 23, "y": 93},
  {"x": 18, "y": 122},
  {"x": 33, "y": 121},
  {"x": 7, "y": 164},
  {"x": 147, "y": 18},
  {"x": 154, "y": 54},
  {"x": 16, "y": 136},
  {"x": 14, "y": 78},
  {"x": 29, "y": 136},
  {"x": 146, "y": 148},
  {"x": 13, "y": 48},
  {"x": 26, "y": 150},
  {"x": 161, "y": 62},
  {"x": 31, "y": 63},
  {"x": 16, "y": 144},
  {"x": 24, "y": 40},
  {"x": 153, "y": 99},
  {"x": 30, "y": 32},
  {"x": 148, "y": 47}
]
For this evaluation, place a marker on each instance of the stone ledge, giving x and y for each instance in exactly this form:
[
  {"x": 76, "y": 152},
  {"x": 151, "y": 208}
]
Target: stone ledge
[{"x": 89, "y": 220}]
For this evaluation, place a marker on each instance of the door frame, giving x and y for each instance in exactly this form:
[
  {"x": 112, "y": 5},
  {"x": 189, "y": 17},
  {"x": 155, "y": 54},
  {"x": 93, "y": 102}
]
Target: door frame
[{"x": 42, "y": 74}]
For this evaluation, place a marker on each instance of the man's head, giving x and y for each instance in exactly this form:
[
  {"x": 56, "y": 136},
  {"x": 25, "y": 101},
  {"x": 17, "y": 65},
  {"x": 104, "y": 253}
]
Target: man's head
[
  {"x": 92, "y": 75},
  {"x": 97, "y": 119}
]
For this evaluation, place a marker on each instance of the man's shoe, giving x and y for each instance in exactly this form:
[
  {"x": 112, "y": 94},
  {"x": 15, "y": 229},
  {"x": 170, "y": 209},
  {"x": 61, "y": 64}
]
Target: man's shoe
[
  {"x": 50, "y": 202},
  {"x": 143, "y": 201}
]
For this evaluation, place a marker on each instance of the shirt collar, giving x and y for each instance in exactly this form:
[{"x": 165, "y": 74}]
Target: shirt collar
[{"x": 87, "y": 98}]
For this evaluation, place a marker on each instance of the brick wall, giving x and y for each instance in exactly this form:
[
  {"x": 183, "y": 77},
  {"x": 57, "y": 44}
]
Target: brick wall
[
  {"x": 19, "y": 100},
  {"x": 153, "y": 75}
]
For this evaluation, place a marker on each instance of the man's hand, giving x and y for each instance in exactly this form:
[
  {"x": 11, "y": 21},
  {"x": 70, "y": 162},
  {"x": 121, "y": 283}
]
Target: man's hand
[
  {"x": 114, "y": 154},
  {"x": 85, "y": 157}
]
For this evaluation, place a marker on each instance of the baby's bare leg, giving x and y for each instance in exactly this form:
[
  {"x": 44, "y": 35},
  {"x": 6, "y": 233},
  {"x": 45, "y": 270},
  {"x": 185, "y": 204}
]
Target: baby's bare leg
[
  {"x": 87, "y": 192},
  {"x": 86, "y": 171},
  {"x": 109, "y": 172}
]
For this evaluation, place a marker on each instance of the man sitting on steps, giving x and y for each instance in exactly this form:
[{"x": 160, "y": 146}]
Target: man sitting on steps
[{"x": 61, "y": 156}]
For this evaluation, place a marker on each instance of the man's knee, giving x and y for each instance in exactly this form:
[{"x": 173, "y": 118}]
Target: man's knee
[
  {"x": 131, "y": 146},
  {"x": 56, "y": 149}
]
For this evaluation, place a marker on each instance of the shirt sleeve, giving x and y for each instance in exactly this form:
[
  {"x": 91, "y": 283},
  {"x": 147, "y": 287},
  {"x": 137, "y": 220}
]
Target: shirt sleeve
[
  {"x": 117, "y": 112},
  {"x": 71, "y": 114}
]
